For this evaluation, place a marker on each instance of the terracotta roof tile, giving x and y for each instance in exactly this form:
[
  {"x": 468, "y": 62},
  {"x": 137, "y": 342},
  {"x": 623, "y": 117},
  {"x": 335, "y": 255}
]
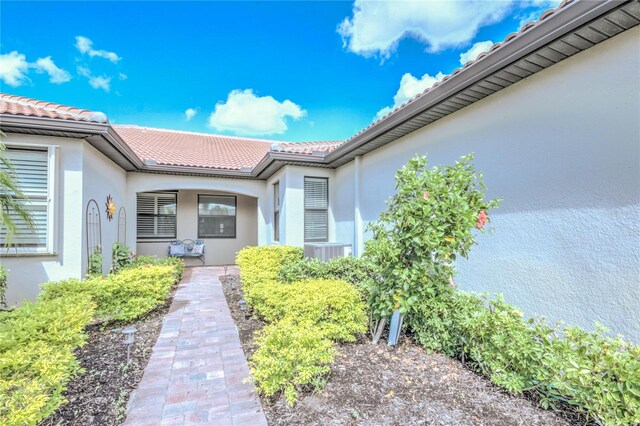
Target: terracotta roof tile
[
  {"x": 20, "y": 105},
  {"x": 179, "y": 148}
]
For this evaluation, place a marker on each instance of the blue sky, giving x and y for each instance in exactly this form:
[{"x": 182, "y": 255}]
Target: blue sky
[{"x": 291, "y": 71}]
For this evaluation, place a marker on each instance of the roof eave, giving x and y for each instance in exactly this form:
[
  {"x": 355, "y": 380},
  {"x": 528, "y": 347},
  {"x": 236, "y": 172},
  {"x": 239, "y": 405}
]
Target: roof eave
[
  {"x": 568, "y": 19},
  {"x": 99, "y": 135}
]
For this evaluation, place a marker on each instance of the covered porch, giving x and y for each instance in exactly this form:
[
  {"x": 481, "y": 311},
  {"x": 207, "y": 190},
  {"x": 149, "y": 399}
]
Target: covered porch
[{"x": 224, "y": 213}]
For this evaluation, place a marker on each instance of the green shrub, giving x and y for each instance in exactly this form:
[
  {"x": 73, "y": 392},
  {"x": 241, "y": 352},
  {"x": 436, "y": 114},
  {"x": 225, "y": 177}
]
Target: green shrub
[
  {"x": 598, "y": 374},
  {"x": 259, "y": 264},
  {"x": 334, "y": 306},
  {"x": 3, "y": 286},
  {"x": 175, "y": 262},
  {"x": 357, "y": 271},
  {"x": 95, "y": 262},
  {"x": 306, "y": 317},
  {"x": 124, "y": 296},
  {"x": 121, "y": 257},
  {"x": 291, "y": 355},
  {"x": 37, "y": 342},
  {"x": 431, "y": 220}
]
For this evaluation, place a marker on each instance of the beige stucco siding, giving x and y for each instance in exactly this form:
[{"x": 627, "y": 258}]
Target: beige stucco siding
[{"x": 218, "y": 251}]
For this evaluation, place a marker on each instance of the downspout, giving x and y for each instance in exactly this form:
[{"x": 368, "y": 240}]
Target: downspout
[{"x": 357, "y": 217}]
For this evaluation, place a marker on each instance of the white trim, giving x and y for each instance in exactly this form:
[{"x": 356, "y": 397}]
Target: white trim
[{"x": 52, "y": 206}]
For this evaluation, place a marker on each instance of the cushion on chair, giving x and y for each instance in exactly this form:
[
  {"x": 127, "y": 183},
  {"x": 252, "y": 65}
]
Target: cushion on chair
[
  {"x": 176, "y": 250},
  {"x": 198, "y": 249}
]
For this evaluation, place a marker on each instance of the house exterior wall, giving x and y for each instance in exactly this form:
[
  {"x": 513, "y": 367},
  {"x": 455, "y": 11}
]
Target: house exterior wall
[
  {"x": 27, "y": 272},
  {"x": 292, "y": 209},
  {"x": 250, "y": 220},
  {"x": 562, "y": 148},
  {"x": 102, "y": 177}
]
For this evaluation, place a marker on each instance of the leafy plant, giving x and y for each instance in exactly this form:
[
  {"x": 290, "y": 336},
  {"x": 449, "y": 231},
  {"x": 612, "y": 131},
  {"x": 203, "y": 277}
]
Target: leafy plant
[
  {"x": 290, "y": 356},
  {"x": 124, "y": 296},
  {"x": 428, "y": 223},
  {"x": 600, "y": 375},
  {"x": 37, "y": 341},
  {"x": 13, "y": 202},
  {"x": 3, "y": 286},
  {"x": 121, "y": 257},
  {"x": 306, "y": 318},
  {"x": 357, "y": 271},
  {"x": 95, "y": 261}
]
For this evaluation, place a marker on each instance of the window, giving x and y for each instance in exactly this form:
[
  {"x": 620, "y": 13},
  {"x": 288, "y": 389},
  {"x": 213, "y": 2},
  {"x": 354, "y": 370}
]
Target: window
[
  {"x": 316, "y": 207},
  {"x": 216, "y": 216},
  {"x": 34, "y": 171},
  {"x": 156, "y": 215},
  {"x": 276, "y": 211}
]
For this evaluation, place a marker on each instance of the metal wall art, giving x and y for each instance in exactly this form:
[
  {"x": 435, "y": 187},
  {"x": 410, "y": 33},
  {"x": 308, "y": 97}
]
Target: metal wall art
[{"x": 111, "y": 208}]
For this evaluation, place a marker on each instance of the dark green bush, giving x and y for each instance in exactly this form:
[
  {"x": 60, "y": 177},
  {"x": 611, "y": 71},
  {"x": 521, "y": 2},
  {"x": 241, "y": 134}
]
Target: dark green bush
[
  {"x": 3, "y": 286},
  {"x": 357, "y": 271},
  {"x": 598, "y": 374},
  {"x": 121, "y": 257},
  {"x": 37, "y": 342}
]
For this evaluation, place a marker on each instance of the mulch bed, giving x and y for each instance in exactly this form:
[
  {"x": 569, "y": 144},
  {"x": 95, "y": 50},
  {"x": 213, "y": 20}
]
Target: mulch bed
[
  {"x": 377, "y": 384},
  {"x": 99, "y": 395}
]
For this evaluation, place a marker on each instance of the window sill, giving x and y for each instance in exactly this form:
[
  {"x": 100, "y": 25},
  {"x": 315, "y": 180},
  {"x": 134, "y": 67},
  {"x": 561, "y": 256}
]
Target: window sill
[{"x": 27, "y": 254}]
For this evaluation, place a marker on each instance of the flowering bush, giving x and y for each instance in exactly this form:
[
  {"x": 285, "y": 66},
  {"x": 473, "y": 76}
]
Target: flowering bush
[{"x": 428, "y": 223}]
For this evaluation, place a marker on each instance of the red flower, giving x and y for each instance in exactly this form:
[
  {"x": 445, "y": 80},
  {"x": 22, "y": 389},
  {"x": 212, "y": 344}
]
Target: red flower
[
  {"x": 425, "y": 195},
  {"x": 482, "y": 219}
]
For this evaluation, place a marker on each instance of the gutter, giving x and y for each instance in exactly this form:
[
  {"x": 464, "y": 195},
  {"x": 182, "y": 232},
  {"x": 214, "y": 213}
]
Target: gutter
[{"x": 559, "y": 24}]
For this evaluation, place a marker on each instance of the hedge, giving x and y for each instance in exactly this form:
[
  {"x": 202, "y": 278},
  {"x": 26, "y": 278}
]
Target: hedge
[
  {"x": 123, "y": 296},
  {"x": 38, "y": 340},
  {"x": 306, "y": 318},
  {"x": 600, "y": 375}
]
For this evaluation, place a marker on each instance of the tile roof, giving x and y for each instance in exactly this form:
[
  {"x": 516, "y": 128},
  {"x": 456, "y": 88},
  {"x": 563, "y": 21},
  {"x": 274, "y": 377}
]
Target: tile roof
[
  {"x": 180, "y": 148},
  {"x": 307, "y": 147},
  {"x": 509, "y": 38},
  {"x": 20, "y": 105}
]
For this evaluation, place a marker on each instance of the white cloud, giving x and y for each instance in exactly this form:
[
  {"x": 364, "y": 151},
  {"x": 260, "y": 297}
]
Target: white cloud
[
  {"x": 377, "y": 27},
  {"x": 56, "y": 75},
  {"x": 13, "y": 68},
  {"x": 539, "y": 6},
  {"x": 246, "y": 113},
  {"x": 410, "y": 86},
  {"x": 97, "y": 82},
  {"x": 190, "y": 113},
  {"x": 85, "y": 46},
  {"x": 474, "y": 51},
  {"x": 123, "y": 76},
  {"x": 100, "y": 82}
]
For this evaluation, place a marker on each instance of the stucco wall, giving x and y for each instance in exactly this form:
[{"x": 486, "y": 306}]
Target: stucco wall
[
  {"x": 292, "y": 214},
  {"x": 218, "y": 251},
  {"x": 102, "y": 177},
  {"x": 250, "y": 215},
  {"x": 26, "y": 273},
  {"x": 563, "y": 149}
]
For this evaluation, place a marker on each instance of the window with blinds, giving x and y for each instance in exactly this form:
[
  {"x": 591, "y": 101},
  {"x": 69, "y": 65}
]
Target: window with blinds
[
  {"x": 156, "y": 214},
  {"x": 316, "y": 209},
  {"x": 31, "y": 169},
  {"x": 216, "y": 216},
  {"x": 276, "y": 211}
]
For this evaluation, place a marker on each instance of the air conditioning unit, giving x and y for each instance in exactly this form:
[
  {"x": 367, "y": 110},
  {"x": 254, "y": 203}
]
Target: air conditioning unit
[{"x": 327, "y": 251}]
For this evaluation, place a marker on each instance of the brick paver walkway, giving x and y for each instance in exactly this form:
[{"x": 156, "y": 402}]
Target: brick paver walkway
[{"x": 197, "y": 372}]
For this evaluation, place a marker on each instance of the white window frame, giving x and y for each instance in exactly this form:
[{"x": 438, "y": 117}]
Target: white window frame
[
  {"x": 147, "y": 238},
  {"x": 52, "y": 216},
  {"x": 277, "y": 205}
]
